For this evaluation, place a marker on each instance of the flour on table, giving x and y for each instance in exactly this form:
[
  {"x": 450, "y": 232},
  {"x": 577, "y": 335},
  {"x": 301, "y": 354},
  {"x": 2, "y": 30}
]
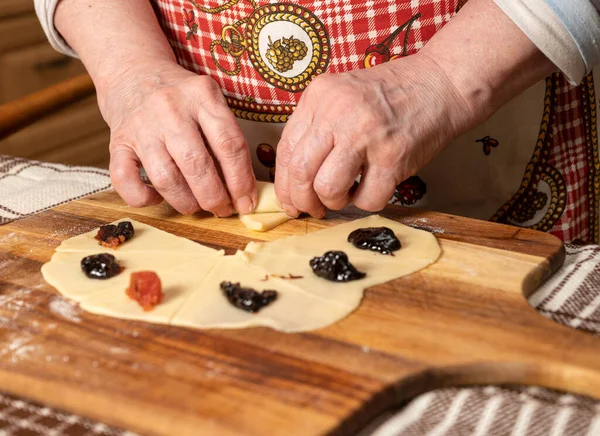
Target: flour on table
[
  {"x": 118, "y": 350},
  {"x": 421, "y": 224},
  {"x": 65, "y": 308},
  {"x": 18, "y": 347}
]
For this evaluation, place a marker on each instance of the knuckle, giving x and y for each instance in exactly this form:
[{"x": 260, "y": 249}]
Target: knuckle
[
  {"x": 195, "y": 163},
  {"x": 387, "y": 157},
  {"x": 207, "y": 82},
  {"x": 328, "y": 190},
  {"x": 163, "y": 99},
  {"x": 322, "y": 81},
  {"x": 208, "y": 92},
  {"x": 211, "y": 101},
  {"x": 117, "y": 141},
  {"x": 231, "y": 145},
  {"x": 163, "y": 179},
  {"x": 118, "y": 175},
  {"x": 297, "y": 172},
  {"x": 174, "y": 123},
  {"x": 282, "y": 192}
]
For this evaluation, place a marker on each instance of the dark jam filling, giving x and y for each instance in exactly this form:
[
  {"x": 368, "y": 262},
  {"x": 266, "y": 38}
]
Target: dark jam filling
[
  {"x": 335, "y": 266},
  {"x": 100, "y": 266},
  {"x": 380, "y": 239},
  {"x": 247, "y": 298},
  {"x": 113, "y": 236}
]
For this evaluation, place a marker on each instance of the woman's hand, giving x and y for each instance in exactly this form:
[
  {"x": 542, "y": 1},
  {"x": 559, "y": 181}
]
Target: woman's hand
[
  {"x": 172, "y": 122},
  {"x": 383, "y": 123},
  {"x": 387, "y": 122},
  {"x": 177, "y": 126}
]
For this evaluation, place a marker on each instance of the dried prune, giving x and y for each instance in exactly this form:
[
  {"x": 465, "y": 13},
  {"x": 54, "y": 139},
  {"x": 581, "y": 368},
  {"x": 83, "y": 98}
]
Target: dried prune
[
  {"x": 335, "y": 266},
  {"x": 100, "y": 266},
  {"x": 112, "y": 236},
  {"x": 247, "y": 298},
  {"x": 380, "y": 239}
]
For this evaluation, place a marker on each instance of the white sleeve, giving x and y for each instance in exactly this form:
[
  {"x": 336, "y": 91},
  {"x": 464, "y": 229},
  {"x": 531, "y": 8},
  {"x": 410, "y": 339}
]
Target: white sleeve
[
  {"x": 548, "y": 32},
  {"x": 45, "y": 12}
]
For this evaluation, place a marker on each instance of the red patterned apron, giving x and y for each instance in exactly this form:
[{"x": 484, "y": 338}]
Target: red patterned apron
[{"x": 264, "y": 54}]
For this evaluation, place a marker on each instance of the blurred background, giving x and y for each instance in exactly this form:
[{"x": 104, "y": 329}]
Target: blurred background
[{"x": 76, "y": 135}]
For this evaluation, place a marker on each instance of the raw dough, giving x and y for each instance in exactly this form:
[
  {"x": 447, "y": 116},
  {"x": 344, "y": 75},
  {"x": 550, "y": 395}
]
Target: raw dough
[
  {"x": 178, "y": 284},
  {"x": 267, "y": 200},
  {"x": 178, "y": 262},
  {"x": 263, "y": 222},
  {"x": 64, "y": 271},
  {"x": 268, "y": 213},
  {"x": 294, "y": 310},
  {"x": 419, "y": 249},
  {"x": 147, "y": 239},
  {"x": 191, "y": 275}
]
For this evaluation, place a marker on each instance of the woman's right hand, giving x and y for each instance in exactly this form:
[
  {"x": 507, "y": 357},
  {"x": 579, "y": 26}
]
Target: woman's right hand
[{"x": 178, "y": 127}]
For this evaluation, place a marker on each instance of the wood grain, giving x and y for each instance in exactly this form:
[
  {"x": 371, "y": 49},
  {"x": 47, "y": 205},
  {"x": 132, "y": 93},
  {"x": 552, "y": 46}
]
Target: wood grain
[{"x": 464, "y": 320}]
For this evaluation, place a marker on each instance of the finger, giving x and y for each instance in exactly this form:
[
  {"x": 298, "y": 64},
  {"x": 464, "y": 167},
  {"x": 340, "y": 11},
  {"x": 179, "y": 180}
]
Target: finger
[
  {"x": 306, "y": 161},
  {"x": 227, "y": 143},
  {"x": 125, "y": 177},
  {"x": 167, "y": 179},
  {"x": 294, "y": 130},
  {"x": 198, "y": 168},
  {"x": 376, "y": 188},
  {"x": 337, "y": 176}
]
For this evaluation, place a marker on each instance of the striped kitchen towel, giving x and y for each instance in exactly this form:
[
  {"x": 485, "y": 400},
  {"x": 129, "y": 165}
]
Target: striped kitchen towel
[{"x": 28, "y": 186}]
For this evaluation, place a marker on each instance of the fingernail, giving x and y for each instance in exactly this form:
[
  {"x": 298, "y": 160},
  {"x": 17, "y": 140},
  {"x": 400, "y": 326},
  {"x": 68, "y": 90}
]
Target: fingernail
[
  {"x": 245, "y": 205},
  {"x": 227, "y": 212},
  {"x": 290, "y": 211},
  {"x": 320, "y": 214}
]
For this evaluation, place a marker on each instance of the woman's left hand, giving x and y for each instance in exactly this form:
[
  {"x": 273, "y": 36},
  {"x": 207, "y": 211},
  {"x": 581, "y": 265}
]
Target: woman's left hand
[{"x": 383, "y": 123}]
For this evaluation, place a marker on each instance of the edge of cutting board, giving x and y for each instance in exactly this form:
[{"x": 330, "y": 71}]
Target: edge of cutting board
[{"x": 464, "y": 340}]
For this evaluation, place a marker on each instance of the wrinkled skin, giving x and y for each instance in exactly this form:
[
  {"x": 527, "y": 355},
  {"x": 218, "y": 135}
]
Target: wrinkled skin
[
  {"x": 176, "y": 124},
  {"x": 383, "y": 123}
]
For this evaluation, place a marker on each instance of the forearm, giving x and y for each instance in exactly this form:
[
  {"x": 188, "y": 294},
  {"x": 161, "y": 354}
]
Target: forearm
[
  {"x": 112, "y": 36},
  {"x": 488, "y": 59}
]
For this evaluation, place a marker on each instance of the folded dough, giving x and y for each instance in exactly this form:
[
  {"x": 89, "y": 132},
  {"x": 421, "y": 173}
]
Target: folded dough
[
  {"x": 268, "y": 213},
  {"x": 267, "y": 200},
  {"x": 263, "y": 222}
]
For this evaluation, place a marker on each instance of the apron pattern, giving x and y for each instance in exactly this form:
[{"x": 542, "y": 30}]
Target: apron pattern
[
  {"x": 560, "y": 190},
  {"x": 264, "y": 54}
]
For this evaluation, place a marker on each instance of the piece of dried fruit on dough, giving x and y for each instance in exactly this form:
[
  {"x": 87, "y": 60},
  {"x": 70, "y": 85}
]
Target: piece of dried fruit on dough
[
  {"x": 100, "y": 266},
  {"x": 145, "y": 288},
  {"x": 247, "y": 299},
  {"x": 335, "y": 266},
  {"x": 112, "y": 236}
]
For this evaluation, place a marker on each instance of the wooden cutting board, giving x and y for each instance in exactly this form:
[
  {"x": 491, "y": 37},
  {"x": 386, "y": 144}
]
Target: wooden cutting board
[{"x": 464, "y": 320}]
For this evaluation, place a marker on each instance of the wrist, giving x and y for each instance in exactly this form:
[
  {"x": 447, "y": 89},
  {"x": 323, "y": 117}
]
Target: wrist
[
  {"x": 129, "y": 78},
  {"x": 428, "y": 81},
  {"x": 487, "y": 58},
  {"x": 473, "y": 93}
]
